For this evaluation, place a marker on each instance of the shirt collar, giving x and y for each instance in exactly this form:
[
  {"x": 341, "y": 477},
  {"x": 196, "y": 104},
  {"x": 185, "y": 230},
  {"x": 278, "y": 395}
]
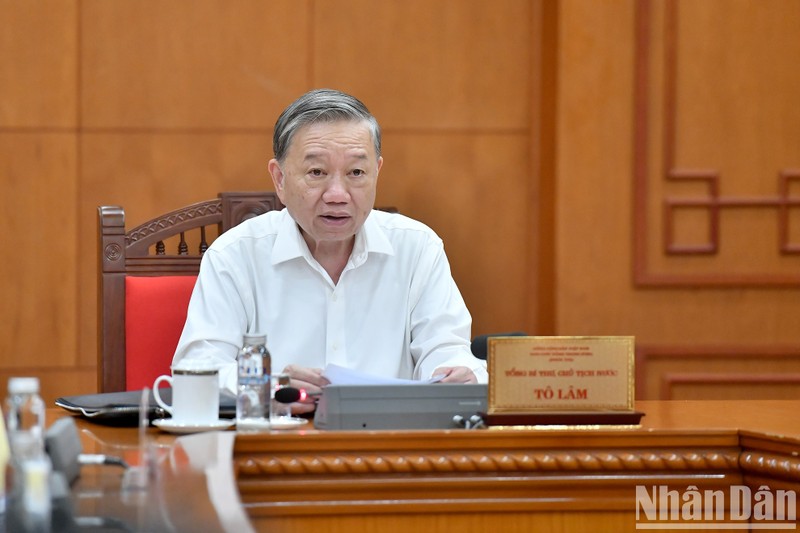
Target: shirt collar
[
  {"x": 289, "y": 243},
  {"x": 373, "y": 238}
]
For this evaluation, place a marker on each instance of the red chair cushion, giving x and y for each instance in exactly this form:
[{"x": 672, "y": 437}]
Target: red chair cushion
[{"x": 155, "y": 311}]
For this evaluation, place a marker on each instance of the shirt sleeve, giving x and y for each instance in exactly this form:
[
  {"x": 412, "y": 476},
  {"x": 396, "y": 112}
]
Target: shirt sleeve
[
  {"x": 216, "y": 320},
  {"x": 440, "y": 322}
]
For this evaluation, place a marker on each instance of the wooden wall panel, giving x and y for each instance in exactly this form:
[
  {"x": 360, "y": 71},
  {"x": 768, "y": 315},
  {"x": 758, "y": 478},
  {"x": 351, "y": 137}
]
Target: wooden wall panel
[
  {"x": 201, "y": 64},
  {"x": 593, "y": 172},
  {"x": 729, "y": 386},
  {"x": 603, "y": 144},
  {"x": 725, "y": 371},
  {"x": 151, "y": 173},
  {"x": 38, "y": 60},
  {"x": 38, "y": 176},
  {"x": 472, "y": 199},
  {"x": 452, "y": 64},
  {"x": 170, "y": 103},
  {"x": 717, "y": 98},
  {"x": 38, "y": 318}
]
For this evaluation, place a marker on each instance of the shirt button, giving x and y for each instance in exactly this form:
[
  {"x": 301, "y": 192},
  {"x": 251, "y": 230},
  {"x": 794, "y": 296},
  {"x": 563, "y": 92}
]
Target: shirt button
[
  {"x": 335, "y": 346},
  {"x": 334, "y": 297}
]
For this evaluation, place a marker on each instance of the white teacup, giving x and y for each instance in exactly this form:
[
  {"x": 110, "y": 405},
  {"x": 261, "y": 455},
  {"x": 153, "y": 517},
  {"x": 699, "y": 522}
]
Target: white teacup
[{"x": 195, "y": 395}]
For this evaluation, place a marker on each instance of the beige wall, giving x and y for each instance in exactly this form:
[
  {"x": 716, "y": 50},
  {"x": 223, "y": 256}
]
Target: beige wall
[{"x": 509, "y": 128}]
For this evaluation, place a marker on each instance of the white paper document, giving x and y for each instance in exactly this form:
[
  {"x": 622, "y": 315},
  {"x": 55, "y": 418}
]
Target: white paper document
[{"x": 339, "y": 375}]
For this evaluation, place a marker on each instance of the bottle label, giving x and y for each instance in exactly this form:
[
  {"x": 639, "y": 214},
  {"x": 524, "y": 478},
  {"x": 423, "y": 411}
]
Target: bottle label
[{"x": 251, "y": 371}]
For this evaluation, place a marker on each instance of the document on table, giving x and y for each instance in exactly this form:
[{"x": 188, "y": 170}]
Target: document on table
[{"x": 339, "y": 375}]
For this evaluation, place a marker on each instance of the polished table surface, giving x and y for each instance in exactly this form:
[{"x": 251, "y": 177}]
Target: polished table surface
[
  {"x": 171, "y": 484},
  {"x": 515, "y": 479}
]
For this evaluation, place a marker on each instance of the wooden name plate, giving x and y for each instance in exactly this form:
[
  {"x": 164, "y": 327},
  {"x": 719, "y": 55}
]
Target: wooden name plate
[{"x": 561, "y": 380}]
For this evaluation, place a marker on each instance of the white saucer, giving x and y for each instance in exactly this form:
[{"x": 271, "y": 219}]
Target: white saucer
[
  {"x": 287, "y": 422},
  {"x": 168, "y": 424},
  {"x": 283, "y": 422}
]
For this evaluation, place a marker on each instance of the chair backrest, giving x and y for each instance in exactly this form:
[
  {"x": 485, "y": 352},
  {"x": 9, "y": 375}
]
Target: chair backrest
[{"x": 144, "y": 290}]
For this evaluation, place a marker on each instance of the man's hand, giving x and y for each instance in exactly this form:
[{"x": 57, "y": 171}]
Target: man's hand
[
  {"x": 311, "y": 380},
  {"x": 455, "y": 374}
]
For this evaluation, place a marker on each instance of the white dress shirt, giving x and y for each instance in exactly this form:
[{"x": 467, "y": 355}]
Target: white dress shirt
[{"x": 395, "y": 312}]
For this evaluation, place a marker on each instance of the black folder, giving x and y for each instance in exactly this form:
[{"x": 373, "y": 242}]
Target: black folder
[{"x": 122, "y": 408}]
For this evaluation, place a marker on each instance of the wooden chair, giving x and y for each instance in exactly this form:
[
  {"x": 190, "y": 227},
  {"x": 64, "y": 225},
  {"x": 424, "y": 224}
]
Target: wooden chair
[{"x": 143, "y": 291}]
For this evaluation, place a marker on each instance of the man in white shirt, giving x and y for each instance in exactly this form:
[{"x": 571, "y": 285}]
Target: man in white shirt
[{"x": 329, "y": 279}]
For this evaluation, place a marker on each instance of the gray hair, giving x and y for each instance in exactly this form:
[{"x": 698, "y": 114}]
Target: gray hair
[{"x": 321, "y": 105}]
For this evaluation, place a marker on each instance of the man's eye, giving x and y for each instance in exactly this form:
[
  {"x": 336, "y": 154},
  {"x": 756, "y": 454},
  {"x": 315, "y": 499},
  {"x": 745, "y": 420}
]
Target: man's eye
[
  {"x": 316, "y": 172},
  {"x": 358, "y": 172}
]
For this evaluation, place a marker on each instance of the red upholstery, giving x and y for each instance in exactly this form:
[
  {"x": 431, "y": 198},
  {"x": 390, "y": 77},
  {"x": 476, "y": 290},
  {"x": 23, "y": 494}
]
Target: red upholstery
[{"x": 155, "y": 311}]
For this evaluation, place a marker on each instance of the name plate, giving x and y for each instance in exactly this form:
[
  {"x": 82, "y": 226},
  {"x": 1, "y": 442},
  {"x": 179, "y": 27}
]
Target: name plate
[{"x": 533, "y": 374}]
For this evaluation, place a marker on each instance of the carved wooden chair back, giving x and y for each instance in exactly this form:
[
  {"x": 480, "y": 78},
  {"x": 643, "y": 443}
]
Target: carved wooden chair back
[{"x": 146, "y": 276}]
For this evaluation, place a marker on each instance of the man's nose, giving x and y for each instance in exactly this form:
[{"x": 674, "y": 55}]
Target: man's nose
[{"x": 336, "y": 192}]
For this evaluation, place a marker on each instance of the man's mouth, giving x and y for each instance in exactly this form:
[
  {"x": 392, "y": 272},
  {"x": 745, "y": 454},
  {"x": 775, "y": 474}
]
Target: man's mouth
[{"x": 335, "y": 218}]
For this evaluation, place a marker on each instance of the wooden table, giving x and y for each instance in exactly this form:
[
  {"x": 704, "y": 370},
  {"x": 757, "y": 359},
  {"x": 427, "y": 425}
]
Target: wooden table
[
  {"x": 509, "y": 480},
  {"x": 512, "y": 479}
]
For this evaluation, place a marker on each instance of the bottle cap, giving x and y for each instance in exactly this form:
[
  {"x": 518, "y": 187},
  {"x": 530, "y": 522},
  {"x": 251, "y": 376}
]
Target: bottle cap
[
  {"x": 23, "y": 385},
  {"x": 255, "y": 338}
]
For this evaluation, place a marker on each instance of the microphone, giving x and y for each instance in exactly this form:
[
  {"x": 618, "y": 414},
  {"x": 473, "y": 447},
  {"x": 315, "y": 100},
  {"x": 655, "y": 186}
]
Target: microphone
[
  {"x": 480, "y": 344},
  {"x": 291, "y": 394}
]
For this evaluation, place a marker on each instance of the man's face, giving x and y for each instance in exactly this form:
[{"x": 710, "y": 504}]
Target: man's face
[{"x": 328, "y": 180}]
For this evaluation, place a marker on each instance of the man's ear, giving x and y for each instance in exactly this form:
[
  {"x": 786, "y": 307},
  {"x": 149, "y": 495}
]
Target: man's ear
[{"x": 277, "y": 177}]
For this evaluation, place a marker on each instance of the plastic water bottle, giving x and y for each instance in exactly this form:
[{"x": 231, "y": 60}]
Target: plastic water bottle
[
  {"x": 25, "y": 411},
  {"x": 25, "y": 418},
  {"x": 254, "y": 384}
]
